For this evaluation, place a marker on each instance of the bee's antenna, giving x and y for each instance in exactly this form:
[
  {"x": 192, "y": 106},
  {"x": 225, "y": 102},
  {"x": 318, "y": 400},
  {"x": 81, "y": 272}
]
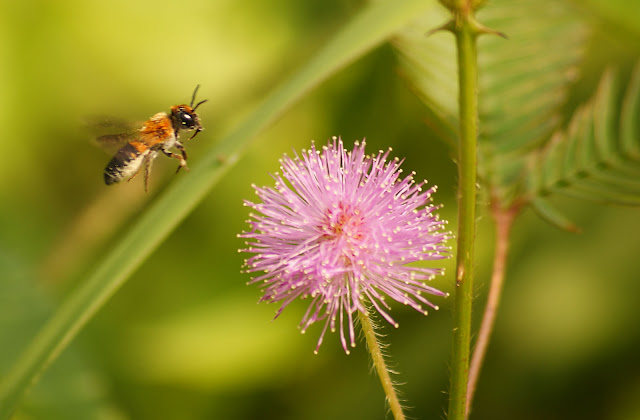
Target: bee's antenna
[
  {"x": 193, "y": 97},
  {"x": 198, "y": 104}
]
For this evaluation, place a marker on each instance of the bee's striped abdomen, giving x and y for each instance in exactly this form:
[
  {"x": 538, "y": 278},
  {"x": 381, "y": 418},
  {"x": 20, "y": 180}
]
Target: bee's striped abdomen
[{"x": 125, "y": 164}]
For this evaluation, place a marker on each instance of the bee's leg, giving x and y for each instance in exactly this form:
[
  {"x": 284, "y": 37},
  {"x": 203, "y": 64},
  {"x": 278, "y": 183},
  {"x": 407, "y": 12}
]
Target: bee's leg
[
  {"x": 147, "y": 169},
  {"x": 182, "y": 157},
  {"x": 134, "y": 175}
]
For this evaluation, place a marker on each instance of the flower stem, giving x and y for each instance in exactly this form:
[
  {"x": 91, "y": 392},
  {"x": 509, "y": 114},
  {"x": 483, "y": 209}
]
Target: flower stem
[
  {"x": 381, "y": 367},
  {"x": 504, "y": 221},
  {"x": 465, "y": 34}
]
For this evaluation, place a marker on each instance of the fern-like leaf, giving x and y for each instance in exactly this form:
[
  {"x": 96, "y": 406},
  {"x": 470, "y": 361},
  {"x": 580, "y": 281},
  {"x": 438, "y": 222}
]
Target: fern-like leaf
[
  {"x": 598, "y": 156},
  {"x": 523, "y": 81}
]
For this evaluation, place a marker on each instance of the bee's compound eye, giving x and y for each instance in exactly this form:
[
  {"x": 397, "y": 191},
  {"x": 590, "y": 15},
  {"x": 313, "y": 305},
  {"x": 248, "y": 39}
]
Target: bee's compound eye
[{"x": 186, "y": 119}]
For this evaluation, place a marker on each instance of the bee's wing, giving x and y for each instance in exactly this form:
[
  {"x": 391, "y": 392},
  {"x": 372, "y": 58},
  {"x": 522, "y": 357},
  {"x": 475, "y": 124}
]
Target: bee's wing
[
  {"x": 109, "y": 133},
  {"x": 104, "y": 123},
  {"x": 113, "y": 142}
]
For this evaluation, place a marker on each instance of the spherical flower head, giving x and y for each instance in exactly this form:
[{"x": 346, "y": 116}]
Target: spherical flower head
[{"x": 343, "y": 230}]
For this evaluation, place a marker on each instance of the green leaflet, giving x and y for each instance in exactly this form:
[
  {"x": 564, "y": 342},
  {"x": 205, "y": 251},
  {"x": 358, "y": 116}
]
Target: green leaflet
[
  {"x": 552, "y": 216},
  {"x": 523, "y": 81},
  {"x": 597, "y": 157}
]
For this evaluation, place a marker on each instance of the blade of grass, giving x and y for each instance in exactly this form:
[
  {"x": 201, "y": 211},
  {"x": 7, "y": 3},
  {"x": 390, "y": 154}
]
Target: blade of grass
[{"x": 368, "y": 29}]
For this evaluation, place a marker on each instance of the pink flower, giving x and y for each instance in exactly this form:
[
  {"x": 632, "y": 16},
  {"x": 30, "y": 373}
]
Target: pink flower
[{"x": 342, "y": 229}]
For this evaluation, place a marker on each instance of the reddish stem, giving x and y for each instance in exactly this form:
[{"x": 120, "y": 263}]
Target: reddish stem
[{"x": 504, "y": 220}]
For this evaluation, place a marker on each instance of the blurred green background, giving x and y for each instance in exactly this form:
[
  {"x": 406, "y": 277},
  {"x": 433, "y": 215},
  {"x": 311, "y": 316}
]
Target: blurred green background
[{"x": 184, "y": 338}]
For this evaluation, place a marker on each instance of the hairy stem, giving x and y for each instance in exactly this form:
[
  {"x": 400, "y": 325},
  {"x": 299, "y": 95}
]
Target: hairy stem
[
  {"x": 504, "y": 221},
  {"x": 465, "y": 33},
  {"x": 381, "y": 367}
]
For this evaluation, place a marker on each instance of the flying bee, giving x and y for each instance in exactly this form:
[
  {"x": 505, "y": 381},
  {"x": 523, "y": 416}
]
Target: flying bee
[{"x": 158, "y": 134}]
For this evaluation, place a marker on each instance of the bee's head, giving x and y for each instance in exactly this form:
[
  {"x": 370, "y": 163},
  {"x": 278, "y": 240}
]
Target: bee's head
[{"x": 184, "y": 117}]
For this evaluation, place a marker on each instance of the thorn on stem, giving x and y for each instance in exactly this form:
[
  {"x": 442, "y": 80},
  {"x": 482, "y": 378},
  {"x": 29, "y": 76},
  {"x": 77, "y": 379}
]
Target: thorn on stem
[{"x": 460, "y": 275}]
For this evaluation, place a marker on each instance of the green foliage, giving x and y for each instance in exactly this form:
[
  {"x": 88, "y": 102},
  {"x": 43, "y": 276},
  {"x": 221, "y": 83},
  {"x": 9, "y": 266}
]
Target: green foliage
[
  {"x": 598, "y": 156},
  {"x": 526, "y": 152},
  {"x": 523, "y": 81}
]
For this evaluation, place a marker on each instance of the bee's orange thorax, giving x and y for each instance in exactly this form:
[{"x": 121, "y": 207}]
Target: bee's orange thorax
[{"x": 156, "y": 130}]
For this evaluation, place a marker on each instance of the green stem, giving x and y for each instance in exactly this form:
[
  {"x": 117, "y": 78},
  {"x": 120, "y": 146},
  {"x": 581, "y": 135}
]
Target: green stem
[
  {"x": 381, "y": 367},
  {"x": 465, "y": 34}
]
